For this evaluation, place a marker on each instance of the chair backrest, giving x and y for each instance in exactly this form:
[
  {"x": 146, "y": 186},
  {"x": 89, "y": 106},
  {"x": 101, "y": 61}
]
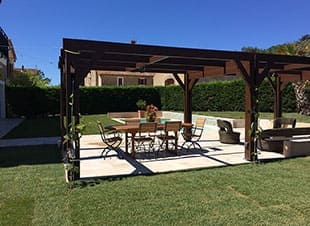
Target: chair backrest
[
  {"x": 148, "y": 127},
  {"x": 157, "y": 120},
  {"x": 224, "y": 126},
  {"x": 101, "y": 129},
  {"x": 200, "y": 122},
  {"x": 132, "y": 121},
  {"x": 284, "y": 123},
  {"x": 174, "y": 126},
  {"x": 105, "y": 131}
]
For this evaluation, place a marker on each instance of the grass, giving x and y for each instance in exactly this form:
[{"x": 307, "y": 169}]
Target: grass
[
  {"x": 39, "y": 127},
  {"x": 254, "y": 194},
  {"x": 49, "y": 127},
  {"x": 90, "y": 121}
]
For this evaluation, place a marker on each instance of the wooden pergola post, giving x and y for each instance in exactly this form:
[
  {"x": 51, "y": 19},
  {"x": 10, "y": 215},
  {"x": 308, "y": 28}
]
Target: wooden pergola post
[
  {"x": 278, "y": 98},
  {"x": 249, "y": 75},
  {"x": 187, "y": 87},
  {"x": 277, "y": 93}
]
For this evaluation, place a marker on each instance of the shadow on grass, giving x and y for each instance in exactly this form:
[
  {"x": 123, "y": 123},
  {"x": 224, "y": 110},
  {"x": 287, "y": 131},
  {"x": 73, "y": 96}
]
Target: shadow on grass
[
  {"x": 29, "y": 155},
  {"x": 36, "y": 128}
]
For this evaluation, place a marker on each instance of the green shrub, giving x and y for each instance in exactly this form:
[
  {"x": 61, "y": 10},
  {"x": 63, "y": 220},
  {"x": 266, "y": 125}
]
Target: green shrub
[
  {"x": 95, "y": 100},
  {"x": 32, "y": 101},
  {"x": 211, "y": 96}
]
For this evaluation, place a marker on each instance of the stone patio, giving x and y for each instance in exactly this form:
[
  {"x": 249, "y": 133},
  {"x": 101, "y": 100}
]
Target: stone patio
[{"x": 214, "y": 154}]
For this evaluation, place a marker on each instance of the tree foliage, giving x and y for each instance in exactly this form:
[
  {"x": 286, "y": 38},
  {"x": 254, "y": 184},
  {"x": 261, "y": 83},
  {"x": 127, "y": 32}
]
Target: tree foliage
[
  {"x": 300, "y": 48},
  {"x": 28, "y": 79}
]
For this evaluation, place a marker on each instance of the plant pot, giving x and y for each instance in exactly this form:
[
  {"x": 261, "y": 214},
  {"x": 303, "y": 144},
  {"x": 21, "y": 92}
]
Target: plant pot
[
  {"x": 150, "y": 119},
  {"x": 141, "y": 114}
]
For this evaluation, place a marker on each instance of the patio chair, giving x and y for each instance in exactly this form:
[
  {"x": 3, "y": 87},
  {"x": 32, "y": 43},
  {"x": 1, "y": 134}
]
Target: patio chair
[
  {"x": 111, "y": 138},
  {"x": 145, "y": 137},
  {"x": 284, "y": 123},
  {"x": 192, "y": 135},
  {"x": 170, "y": 136},
  {"x": 226, "y": 133}
]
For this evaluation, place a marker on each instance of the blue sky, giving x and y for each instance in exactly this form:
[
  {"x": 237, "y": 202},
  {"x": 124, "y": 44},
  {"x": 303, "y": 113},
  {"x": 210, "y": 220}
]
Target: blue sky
[{"x": 37, "y": 27}]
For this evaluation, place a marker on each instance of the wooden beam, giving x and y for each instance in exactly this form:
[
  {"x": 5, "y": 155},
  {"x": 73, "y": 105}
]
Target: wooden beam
[
  {"x": 232, "y": 67},
  {"x": 156, "y": 59},
  {"x": 149, "y": 50},
  {"x": 152, "y": 60},
  {"x": 177, "y": 77},
  {"x": 263, "y": 74},
  {"x": 192, "y": 83},
  {"x": 278, "y": 98},
  {"x": 305, "y": 75},
  {"x": 195, "y": 74},
  {"x": 187, "y": 100},
  {"x": 295, "y": 66},
  {"x": 244, "y": 70},
  {"x": 213, "y": 70}
]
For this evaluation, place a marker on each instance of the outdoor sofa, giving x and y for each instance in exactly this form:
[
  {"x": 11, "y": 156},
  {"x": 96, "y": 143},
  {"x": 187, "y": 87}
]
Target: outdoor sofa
[{"x": 273, "y": 140}]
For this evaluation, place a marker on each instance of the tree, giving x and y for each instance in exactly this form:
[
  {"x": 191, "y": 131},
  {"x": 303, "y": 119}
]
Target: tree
[
  {"x": 28, "y": 79},
  {"x": 303, "y": 46},
  {"x": 283, "y": 49},
  {"x": 300, "y": 48},
  {"x": 250, "y": 49}
]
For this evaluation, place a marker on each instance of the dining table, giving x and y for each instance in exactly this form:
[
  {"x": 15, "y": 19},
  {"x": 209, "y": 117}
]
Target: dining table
[{"x": 132, "y": 129}]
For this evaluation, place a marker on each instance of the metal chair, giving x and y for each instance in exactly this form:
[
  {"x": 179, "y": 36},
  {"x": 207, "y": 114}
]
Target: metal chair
[
  {"x": 170, "y": 135},
  {"x": 192, "y": 135},
  {"x": 111, "y": 138},
  {"x": 226, "y": 133},
  {"x": 284, "y": 123},
  {"x": 145, "y": 137}
]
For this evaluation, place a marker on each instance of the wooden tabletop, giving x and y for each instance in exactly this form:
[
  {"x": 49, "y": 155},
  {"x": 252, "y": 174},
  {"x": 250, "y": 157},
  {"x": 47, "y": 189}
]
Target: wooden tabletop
[{"x": 135, "y": 127}]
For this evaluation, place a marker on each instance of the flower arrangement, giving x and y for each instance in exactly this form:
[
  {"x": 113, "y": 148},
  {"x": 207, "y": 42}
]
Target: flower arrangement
[
  {"x": 141, "y": 104},
  {"x": 150, "y": 112}
]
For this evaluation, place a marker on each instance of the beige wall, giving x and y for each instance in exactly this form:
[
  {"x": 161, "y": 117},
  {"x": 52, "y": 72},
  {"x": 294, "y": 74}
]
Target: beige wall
[
  {"x": 97, "y": 78},
  {"x": 160, "y": 78}
]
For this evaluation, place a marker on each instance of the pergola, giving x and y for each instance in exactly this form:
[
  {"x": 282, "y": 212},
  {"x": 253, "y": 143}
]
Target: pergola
[{"x": 78, "y": 57}]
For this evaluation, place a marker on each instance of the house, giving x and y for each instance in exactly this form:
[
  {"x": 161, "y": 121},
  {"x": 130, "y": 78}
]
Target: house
[
  {"x": 117, "y": 78},
  {"x": 33, "y": 71},
  {"x": 7, "y": 60}
]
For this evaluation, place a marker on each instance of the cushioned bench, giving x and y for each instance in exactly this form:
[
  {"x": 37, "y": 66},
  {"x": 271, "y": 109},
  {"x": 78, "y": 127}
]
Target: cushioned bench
[
  {"x": 296, "y": 147},
  {"x": 272, "y": 139}
]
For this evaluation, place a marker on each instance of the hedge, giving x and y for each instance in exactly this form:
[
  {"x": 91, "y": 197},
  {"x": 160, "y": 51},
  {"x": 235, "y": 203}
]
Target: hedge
[
  {"x": 211, "y": 96},
  {"x": 32, "y": 101},
  {"x": 95, "y": 100}
]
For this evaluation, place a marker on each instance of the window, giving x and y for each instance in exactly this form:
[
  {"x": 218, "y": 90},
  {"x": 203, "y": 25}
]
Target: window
[
  {"x": 142, "y": 81},
  {"x": 120, "y": 81},
  {"x": 169, "y": 82}
]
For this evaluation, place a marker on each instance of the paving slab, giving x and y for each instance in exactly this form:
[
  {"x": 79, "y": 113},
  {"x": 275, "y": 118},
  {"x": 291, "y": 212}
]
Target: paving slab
[
  {"x": 6, "y": 125},
  {"x": 29, "y": 141},
  {"x": 213, "y": 154}
]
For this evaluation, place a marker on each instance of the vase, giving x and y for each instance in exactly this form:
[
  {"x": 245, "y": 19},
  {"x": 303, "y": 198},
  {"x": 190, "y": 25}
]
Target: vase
[
  {"x": 150, "y": 119},
  {"x": 141, "y": 114}
]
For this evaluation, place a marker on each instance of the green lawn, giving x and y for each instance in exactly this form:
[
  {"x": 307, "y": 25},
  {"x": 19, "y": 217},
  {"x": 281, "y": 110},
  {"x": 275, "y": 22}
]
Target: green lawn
[
  {"x": 39, "y": 127},
  {"x": 48, "y": 127},
  {"x": 33, "y": 193}
]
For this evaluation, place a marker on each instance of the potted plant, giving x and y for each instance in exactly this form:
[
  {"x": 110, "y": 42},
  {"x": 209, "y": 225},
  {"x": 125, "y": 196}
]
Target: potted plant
[
  {"x": 150, "y": 113},
  {"x": 141, "y": 106}
]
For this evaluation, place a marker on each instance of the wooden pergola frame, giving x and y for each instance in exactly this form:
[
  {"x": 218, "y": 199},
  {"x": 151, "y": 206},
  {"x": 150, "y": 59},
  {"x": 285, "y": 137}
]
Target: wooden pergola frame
[{"x": 78, "y": 57}]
